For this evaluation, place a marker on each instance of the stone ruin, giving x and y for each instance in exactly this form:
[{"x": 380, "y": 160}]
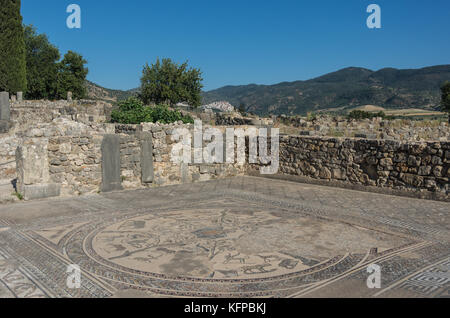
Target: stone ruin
[{"x": 65, "y": 148}]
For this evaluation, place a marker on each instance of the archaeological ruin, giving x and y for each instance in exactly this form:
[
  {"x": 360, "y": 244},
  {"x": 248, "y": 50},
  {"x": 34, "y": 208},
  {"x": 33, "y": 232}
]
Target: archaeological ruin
[{"x": 69, "y": 148}]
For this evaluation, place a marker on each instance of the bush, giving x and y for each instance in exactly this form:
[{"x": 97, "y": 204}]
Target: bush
[
  {"x": 133, "y": 111},
  {"x": 360, "y": 114}
]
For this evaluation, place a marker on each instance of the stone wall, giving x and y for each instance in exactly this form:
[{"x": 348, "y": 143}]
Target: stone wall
[
  {"x": 27, "y": 113},
  {"x": 74, "y": 133},
  {"x": 42, "y": 118},
  {"x": 75, "y": 158},
  {"x": 228, "y": 120},
  {"x": 165, "y": 171},
  {"x": 75, "y": 163},
  {"x": 411, "y": 167},
  {"x": 8, "y": 146},
  {"x": 377, "y": 128},
  {"x": 130, "y": 161}
]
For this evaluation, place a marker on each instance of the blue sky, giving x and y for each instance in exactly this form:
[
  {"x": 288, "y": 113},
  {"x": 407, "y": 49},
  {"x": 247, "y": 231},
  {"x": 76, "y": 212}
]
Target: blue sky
[{"x": 241, "y": 42}]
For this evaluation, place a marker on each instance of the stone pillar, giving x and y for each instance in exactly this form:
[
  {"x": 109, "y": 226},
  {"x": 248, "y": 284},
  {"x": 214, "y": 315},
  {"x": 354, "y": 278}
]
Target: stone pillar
[
  {"x": 111, "y": 177},
  {"x": 69, "y": 96},
  {"x": 19, "y": 96},
  {"x": 4, "y": 106},
  {"x": 147, "y": 172},
  {"x": 13, "y": 98},
  {"x": 33, "y": 177}
]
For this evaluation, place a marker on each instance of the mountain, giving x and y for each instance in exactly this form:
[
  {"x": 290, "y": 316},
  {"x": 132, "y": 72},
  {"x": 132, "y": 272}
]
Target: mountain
[
  {"x": 353, "y": 86},
  {"x": 96, "y": 91}
]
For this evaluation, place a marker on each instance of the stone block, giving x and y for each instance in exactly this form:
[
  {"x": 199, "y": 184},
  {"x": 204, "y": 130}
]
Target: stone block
[
  {"x": 40, "y": 191},
  {"x": 111, "y": 177},
  {"x": 32, "y": 163}
]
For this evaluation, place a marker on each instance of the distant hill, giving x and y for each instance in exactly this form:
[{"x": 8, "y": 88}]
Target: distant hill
[
  {"x": 96, "y": 91},
  {"x": 349, "y": 87}
]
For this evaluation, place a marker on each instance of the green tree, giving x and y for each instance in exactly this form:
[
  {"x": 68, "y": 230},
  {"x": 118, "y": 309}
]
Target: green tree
[
  {"x": 445, "y": 103},
  {"x": 72, "y": 76},
  {"x": 42, "y": 67},
  {"x": 12, "y": 48},
  {"x": 170, "y": 83}
]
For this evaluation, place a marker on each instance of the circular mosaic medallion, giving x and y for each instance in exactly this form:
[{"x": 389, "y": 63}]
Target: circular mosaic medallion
[{"x": 226, "y": 244}]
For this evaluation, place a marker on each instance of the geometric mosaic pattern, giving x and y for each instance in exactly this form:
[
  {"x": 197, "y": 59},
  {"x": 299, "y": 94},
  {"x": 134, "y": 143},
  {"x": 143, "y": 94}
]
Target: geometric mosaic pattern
[{"x": 430, "y": 281}]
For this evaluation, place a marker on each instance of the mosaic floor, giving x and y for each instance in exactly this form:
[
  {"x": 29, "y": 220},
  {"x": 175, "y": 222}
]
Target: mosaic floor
[{"x": 241, "y": 237}]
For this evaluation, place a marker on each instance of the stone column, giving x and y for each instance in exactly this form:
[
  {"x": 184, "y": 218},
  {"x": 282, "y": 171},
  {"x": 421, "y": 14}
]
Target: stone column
[
  {"x": 19, "y": 96},
  {"x": 33, "y": 177},
  {"x": 4, "y": 112},
  {"x": 147, "y": 172},
  {"x": 69, "y": 96},
  {"x": 4, "y": 106}
]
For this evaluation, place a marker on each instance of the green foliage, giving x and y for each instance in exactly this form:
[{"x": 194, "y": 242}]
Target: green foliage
[
  {"x": 18, "y": 195},
  {"x": 72, "y": 76},
  {"x": 360, "y": 114},
  {"x": 133, "y": 111},
  {"x": 445, "y": 103},
  {"x": 166, "y": 82},
  {"x": 12, "y": 48},
  {"x": 42, "y": 67}
]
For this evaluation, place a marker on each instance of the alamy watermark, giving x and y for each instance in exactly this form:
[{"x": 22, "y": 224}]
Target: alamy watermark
[
  {"x": 374, "y": 279},
  {"x": 74, "y": 19},
  {"x": 229, "y": 149},
  {"x": 74, "y": 277},
  {"x": 374, "y": 20}
]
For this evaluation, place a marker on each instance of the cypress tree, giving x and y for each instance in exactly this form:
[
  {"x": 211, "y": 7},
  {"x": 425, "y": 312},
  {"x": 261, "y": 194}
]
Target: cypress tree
[{"x": 12, "y": 48}]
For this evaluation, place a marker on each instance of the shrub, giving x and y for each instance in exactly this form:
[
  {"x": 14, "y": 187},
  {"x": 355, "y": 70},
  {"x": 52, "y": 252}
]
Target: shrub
[
  {"x": 361, "y": 114},
  {"x": 133, "y": 111}
]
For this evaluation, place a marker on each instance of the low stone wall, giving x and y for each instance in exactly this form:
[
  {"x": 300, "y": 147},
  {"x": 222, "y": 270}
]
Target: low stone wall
[
  {"x": 165, "y": 171},
  {"x": 404, "y": 130},
  {"x": 75, "y": 156},
  {"x": 228, "y": 120},
  {"x": 411, "y": 167},
  {"x": 75, "y": 163},
  {"x": 29, "y": 112}
]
